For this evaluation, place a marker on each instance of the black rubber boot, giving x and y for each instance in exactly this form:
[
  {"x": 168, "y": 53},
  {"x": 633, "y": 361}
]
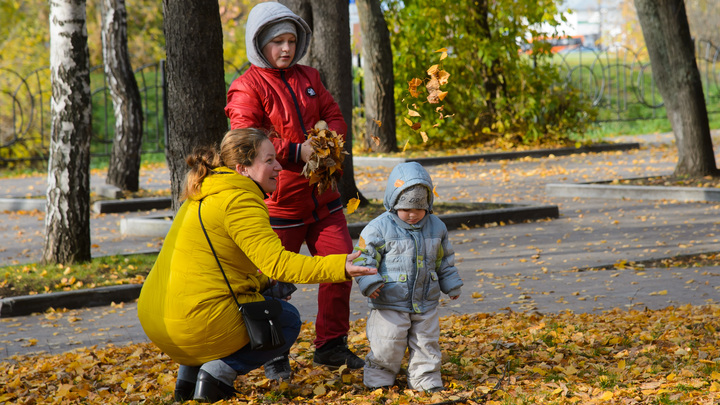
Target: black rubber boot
[
  {"x": 184, "y": 390},
  {"x": 210, "y": 389}
]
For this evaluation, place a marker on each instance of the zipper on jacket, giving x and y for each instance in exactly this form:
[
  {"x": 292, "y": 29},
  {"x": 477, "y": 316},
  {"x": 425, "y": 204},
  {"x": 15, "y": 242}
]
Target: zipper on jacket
[
  {"x": 302, "y": 125},
  {"x": 297, "y": 105},
  {"x": 418, "y": 264}
]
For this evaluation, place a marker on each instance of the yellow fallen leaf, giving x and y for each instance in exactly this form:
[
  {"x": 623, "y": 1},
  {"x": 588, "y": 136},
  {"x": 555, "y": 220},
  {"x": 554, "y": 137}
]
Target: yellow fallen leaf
[
  {"x": 606, "y": 396},
  {"x": 352, "y": 205}
]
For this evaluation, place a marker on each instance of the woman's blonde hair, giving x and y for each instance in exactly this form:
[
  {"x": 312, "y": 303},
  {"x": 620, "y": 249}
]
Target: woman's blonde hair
[{"x": 239, "y": 146}]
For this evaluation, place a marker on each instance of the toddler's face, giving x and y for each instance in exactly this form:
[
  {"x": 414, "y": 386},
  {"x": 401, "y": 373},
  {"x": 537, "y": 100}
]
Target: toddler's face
[
  {"x": 411, "y": 216},
  {"x": 280, "y": 51}
]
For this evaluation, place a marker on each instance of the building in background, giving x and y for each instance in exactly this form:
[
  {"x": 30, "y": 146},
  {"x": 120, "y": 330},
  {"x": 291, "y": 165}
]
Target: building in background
[{"x": 597, "y": 22}]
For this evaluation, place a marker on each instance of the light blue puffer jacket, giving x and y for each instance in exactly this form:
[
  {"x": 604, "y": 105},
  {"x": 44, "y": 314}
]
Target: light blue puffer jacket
[{"x": 415, "y": 262}]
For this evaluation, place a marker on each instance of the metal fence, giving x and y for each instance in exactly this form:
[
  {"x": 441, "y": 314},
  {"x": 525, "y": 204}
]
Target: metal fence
[
  {"x": 25, "y": 111},
  {"x": 619, "y": 82}
]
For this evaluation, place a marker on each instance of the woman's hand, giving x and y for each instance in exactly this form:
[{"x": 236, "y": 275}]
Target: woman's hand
[{"x": 352, "y": 270}]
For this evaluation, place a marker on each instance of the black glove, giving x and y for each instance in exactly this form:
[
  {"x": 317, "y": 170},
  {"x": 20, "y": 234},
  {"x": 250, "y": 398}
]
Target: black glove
[{"x": 280, "y": 290}]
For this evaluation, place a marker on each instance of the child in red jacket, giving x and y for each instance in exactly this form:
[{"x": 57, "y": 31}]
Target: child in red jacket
[{"x": 288, "y": 99}]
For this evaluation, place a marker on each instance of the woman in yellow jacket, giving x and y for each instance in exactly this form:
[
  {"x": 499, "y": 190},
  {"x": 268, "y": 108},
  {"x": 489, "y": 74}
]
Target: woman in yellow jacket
[{"x": 186, "y": 307}]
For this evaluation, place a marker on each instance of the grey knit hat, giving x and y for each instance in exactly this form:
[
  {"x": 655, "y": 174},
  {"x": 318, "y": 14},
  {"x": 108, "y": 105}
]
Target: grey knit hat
[
  {"x": 274, "y": 30},
  {"x": 413, "y": 197}
]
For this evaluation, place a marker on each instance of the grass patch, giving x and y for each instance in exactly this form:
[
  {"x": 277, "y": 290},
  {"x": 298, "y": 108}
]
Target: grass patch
[{"x": 35, "y": 278}]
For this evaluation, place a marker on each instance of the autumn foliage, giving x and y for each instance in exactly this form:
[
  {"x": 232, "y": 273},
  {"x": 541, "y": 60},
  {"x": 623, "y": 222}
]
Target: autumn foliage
[
  {"x": 618, "y": 357},
  {"x": 325, "y": 164}
]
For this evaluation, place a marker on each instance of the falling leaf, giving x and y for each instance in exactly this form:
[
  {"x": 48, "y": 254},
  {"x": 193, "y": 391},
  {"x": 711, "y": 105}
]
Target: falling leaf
[
  {"x": 424, "y": 136},
  {"x": 376, "y": 140},
  {"x": 352, "y": 205},
  {"x": 413, "y": 113},
  {"x": 444, "y": 53},
  {"x": 435, "y": 192},
  {"x": 399, "y": 183},
  {"x": 442, "y": 77},
  {"x": 406, "y": 145},
  {"x": 378, "y": 122},
  {"x": 413, "y": 85}
]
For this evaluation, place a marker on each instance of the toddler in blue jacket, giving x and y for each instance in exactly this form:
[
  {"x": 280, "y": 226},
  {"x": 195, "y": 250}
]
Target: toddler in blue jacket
[{"x": 415, "y": 261}]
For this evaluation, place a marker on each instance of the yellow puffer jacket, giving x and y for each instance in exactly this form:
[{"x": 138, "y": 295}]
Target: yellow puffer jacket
[{"x": 185, "y": 306}]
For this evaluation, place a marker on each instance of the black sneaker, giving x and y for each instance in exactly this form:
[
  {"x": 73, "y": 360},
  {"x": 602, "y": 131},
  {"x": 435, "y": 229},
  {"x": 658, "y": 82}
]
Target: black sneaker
[
  {"x": 278, "y": 369},
  {"x": 336, "y": 353}
]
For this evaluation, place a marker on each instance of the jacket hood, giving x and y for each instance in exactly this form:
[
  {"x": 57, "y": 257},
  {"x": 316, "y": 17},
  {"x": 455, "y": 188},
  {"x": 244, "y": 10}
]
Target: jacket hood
[
  {"x": 403, "y": 176},
  {"x": 224, "y": 178},
  {"x": 268, "y": 13}
]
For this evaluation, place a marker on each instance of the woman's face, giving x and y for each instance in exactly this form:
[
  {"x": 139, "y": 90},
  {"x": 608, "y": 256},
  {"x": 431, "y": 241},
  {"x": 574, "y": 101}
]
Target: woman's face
[
  {"x": 280, "y": 51},
  {"x": 264, "y": 169}
]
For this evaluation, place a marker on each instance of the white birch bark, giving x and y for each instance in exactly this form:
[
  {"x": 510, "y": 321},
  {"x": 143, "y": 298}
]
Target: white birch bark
[{"x": 67, "y": 220}]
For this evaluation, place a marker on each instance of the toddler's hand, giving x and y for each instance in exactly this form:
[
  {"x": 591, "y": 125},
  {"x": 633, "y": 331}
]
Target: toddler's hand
[
  {"x": 375, "y": 293},
  {"x": 455, "y": 297}
]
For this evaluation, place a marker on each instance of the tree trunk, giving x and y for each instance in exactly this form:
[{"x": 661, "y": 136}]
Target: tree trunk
[
  {"x": 491, "y": 83},
  {"x": 124, "y": 168},
  {"x": 196, "y": 83},
  {"x": 67, "y": 218},
  {"x": 672, "y": 57},
  {"x": 330, "y": 54},
  {"x": 379, "y": 80}
]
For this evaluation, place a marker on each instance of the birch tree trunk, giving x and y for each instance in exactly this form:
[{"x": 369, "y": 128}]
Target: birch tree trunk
[
  {"x": 672, "y": 56},
  {"x": 196, "y": 83},
  {"x": 379, "y": 88},
  {"x": 124, "y": 168},
  {"x": 330, "y": 54},
  {"x": 67, "y": 218}
]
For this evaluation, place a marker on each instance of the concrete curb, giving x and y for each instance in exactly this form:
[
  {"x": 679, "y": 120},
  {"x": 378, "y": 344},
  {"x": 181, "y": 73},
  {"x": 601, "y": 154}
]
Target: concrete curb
[
  {"x": 22, "y": 204},
  {"x": 599, "y": 190},
  {"x": 433, "y": 161},
  {"x": 92, "y": 297},
  {"x": 132, "y": 204},
  {"x": 158, "y": 226}
]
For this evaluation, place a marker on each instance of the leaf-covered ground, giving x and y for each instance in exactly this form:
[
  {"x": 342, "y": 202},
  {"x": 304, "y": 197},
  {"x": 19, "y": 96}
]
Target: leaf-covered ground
[{"x": 669, "y": 356}]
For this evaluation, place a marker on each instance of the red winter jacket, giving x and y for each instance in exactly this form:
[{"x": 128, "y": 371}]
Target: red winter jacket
[{"x": 274, "y": 99}]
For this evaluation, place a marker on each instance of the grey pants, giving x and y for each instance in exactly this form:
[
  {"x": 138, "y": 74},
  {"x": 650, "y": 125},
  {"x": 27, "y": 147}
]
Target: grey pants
[{"x": 392, "y": 332}]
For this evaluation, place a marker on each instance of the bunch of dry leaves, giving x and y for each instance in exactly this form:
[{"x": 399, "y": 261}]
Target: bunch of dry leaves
[
  {"x": 669, "y": 356},
  {"x": 326, "y": 162}
]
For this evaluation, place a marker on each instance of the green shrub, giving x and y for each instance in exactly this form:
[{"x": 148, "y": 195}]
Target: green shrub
[{"x": 496, "y": 93}]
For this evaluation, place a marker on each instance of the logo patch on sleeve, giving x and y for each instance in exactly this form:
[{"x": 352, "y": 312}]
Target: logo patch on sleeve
[{"x": 310, "y": 92}]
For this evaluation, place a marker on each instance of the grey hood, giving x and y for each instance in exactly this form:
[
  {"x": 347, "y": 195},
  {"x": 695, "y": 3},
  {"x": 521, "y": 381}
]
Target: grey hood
[
  {"x": 268, "y": 13},
  {"x": 404, "y": 176}
]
